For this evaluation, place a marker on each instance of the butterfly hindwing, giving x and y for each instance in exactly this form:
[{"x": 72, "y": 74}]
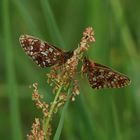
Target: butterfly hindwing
[{"x": 101, "y": 76}]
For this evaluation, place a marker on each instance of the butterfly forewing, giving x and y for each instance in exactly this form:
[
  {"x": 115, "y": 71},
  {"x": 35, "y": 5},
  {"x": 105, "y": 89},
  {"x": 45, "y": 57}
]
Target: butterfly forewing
[
  {"x": 44, "y": 54},
  {"x": 101, "y": 76}
]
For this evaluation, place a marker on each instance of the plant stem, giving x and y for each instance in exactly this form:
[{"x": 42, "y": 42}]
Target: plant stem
[{"x": 48, "y": 119}]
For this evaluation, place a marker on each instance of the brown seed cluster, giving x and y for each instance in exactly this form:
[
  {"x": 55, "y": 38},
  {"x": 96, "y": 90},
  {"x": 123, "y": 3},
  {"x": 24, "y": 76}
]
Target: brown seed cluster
[
  {"x": 88, "y": 37},
  {"x": 37, "y": 132},
  {"x": 37, "y": 98},
  {"x": 65, "y": 74},
  {"x": 60, "y": 76}
]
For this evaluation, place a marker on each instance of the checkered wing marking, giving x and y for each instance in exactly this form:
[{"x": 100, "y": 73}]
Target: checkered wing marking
[
  {"x": 44, "y": 54},
  {"x": 101, "y": 76}
]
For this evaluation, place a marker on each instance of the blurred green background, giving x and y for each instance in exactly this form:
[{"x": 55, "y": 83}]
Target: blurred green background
[{"x": 110, "y": 114}]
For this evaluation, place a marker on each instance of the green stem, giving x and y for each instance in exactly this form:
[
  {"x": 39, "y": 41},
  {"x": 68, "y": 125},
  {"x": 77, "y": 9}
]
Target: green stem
[{"x": 48, "y": 119}]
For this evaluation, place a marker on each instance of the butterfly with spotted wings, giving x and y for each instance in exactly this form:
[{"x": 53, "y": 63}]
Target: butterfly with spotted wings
[{"x": 46, "y": 55}]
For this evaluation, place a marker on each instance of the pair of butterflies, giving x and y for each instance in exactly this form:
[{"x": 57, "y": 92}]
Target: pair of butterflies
[{"x": 46, "y": 55}]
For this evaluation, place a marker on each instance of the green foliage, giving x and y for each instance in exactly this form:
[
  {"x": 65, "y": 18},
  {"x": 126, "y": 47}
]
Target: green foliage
[{"x": 100, "y": 115}]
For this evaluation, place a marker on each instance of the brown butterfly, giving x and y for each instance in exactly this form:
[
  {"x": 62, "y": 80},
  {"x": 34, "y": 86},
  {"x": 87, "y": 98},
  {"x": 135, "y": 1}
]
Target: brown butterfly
[
  {"x": 101, "y": 76},
  {"x": 44, "y": 54}
]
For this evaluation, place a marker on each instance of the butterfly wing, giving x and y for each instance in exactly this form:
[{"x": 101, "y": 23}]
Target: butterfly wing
[
  {"x": 44, "y": 54},
  {"x": 101, "y": 76}
]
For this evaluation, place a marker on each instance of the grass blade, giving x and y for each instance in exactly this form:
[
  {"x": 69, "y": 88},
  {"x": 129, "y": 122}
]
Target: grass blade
[
  {"x": 11, "y": 81},
  {"x": 61, "y": 122},
  {"x": 51, "y": 23},
  {"x": 27, "y": 17},
  {"x": 126, "y": 34}
]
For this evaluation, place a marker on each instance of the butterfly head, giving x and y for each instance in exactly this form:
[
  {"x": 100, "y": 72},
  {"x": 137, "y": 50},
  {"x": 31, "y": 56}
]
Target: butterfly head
[{"x": 68, "y": 55}]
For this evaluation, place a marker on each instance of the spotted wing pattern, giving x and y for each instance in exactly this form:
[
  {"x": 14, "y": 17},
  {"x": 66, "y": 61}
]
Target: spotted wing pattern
[
  {"x": 101, "y": 76},
  {"x": 44, "y": 54}
]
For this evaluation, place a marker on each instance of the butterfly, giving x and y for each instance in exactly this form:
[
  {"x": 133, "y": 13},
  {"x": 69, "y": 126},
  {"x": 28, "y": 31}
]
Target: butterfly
[
  {"x": 100, "y": 76},
  {"x": 44, "y": 54}
]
